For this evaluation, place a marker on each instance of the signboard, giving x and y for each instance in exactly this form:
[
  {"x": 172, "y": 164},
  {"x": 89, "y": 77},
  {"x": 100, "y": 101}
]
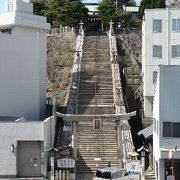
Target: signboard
[
  {"x": 133, "y": 166},
  {"x": 171, "y": 177},
  {"x": 133, "y": 176},
  {"x": 66, "y": 163},
  {"x": 97, "y": 124}
]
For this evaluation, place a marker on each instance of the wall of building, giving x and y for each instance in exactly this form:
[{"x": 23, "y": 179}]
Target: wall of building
[
  {"x": 166, "y": 109},
  {"x": 11, "y": 133},
  {"x": 23, "y": 62},
  {"x": 169, "y": 102},
  {"x": 22, "y": 76},
  {"x": 166, "y": 39}
]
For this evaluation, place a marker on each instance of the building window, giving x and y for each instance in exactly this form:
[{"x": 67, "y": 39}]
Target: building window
[
  {"x": 157, "y": 25},
  {"x": 171, "y": 129},
  {"x": 157, "y": 51},
  {"x": 176, "y": 24},
  {"x": 154, "y": 77},
  {"x": 175, "y": 51},
  {"x": 175, "y": 129}
]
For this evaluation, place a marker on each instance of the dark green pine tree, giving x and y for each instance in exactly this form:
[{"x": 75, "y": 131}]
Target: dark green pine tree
[{"x": 66, "y": 12}]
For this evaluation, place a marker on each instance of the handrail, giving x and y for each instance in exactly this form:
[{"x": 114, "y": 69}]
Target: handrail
[{"x": 125, "y": 143}]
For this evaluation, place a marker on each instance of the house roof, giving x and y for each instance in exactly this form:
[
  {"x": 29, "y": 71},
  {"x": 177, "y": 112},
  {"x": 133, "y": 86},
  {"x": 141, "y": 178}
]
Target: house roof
[{"x": 147, "y": 132}]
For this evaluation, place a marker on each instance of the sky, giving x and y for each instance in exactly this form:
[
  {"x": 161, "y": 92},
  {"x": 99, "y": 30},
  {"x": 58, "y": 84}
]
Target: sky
[{"x": 2, "y": 3}]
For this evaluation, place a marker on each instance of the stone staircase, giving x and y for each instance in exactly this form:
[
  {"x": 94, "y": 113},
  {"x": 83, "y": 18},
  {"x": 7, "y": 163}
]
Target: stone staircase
[{"x": 95, "y": 97}]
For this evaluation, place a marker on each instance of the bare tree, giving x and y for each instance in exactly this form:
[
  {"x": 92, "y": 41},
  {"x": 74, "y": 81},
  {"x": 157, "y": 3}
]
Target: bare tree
[{"x": 173, "y": 3}]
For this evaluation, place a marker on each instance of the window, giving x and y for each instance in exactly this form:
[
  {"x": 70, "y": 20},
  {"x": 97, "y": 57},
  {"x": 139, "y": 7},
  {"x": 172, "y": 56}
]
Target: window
[
  {"x": 175, "y": 51},
  {"x": 175, "y": 129},
  {"x": 157, "y": 51},
  {"x": 166, "y": 129},
  {"x": 176, "y": 25},
  {"x": 171, "y": 129},
  {"x": 157, "y": 25},
  {"x": 154, "y": 77}
]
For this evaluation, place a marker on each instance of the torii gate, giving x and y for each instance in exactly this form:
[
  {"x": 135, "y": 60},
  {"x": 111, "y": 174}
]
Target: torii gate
[{"x": 111, "y": 117}]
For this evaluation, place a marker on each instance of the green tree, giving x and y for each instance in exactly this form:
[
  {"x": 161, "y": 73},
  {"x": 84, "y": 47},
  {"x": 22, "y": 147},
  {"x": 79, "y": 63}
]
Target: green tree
[
  {"x": 109, "y": 10},
  {"x": 150, "y": 4},
  {"x": 39, "y": 6},
  {"x": 72, "y": 13},
  {"x": 58, "y": 12}
]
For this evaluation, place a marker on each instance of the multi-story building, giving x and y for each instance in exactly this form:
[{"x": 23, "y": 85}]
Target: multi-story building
[
  {"x": 23, "y": 143},
  {"x": 160, "y": 45},
  {"x": 22, "y": 61},
  {"x": 166, "y": 123}
]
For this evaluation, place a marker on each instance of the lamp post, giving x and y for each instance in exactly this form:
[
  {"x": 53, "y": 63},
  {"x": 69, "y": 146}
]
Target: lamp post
[
  {"x": 143, "y": 151},
  {"x": 81, "y": 28},
  {"x": 133, "y": 154}
]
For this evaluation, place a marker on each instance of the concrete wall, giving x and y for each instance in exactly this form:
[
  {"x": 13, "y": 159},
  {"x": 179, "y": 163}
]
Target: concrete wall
[
  {"x": 23, "y": 63},
  {"x": 10, "y": 133},
  {"x": 23, "y": 76}
]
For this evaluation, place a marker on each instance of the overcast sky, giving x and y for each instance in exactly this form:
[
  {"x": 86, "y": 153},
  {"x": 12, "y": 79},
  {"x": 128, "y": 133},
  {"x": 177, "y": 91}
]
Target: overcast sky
[{"x": 2, "y": 3}]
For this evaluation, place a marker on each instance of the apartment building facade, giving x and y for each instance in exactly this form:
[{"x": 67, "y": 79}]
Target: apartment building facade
[
  {"x": 160, "y": 45},
  {"x": 166, "y": 123}
]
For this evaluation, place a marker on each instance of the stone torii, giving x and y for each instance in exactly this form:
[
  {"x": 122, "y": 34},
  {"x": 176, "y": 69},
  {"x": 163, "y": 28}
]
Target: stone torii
[{"x": 112, "y": 117}]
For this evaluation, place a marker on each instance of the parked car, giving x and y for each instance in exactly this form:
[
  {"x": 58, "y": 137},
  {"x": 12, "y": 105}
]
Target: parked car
[{"x": 111, "y": 173}]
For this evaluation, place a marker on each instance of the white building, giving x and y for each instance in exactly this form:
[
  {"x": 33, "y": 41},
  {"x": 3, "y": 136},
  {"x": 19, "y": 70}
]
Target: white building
[
  {"x": 22, "y": 61},
  {"x": 160, "y": 45},
  {"x": 166, "y": 123},
  {"x": 24, "y": 145}
]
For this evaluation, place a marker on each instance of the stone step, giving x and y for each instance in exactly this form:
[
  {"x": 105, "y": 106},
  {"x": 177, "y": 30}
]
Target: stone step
[
  {"x": 97, "y": 92},
  {"x": 94, "y": 101},
  {"x": 96, "y": 81},
  {"x": 98, "y": 86},
  {"x": 95, "y": 97},
  {"x": 94, "y": 110}
]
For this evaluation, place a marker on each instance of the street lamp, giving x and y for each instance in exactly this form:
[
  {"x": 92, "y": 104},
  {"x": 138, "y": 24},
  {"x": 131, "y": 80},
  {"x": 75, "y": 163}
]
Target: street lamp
[
  {"x": 143, "y": 151},
  {"x": 74, "y": 93},
  {"x": 133, "y": 154}
]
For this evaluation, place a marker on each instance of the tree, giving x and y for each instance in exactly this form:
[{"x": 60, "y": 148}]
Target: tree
[
  {"x": 150, "y": 4},
  {"x": 72, "y": 13},
  {"x": 66, "y": 12},
  {"x": 39, "y": 6},
  {"x": 111, "y": 11},
  {"x": 107, "y": 12}
]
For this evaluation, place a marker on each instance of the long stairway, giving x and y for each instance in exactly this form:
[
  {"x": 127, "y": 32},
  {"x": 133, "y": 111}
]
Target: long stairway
[{"x": 96, "y": 97}]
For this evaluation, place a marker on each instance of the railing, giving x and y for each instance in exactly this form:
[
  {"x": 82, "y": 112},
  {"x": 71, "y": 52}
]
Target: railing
[
  {"x": 138, "y": 93},
  {"x": 69, "y": 129},
  {"x": 124, "y": 136}
]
